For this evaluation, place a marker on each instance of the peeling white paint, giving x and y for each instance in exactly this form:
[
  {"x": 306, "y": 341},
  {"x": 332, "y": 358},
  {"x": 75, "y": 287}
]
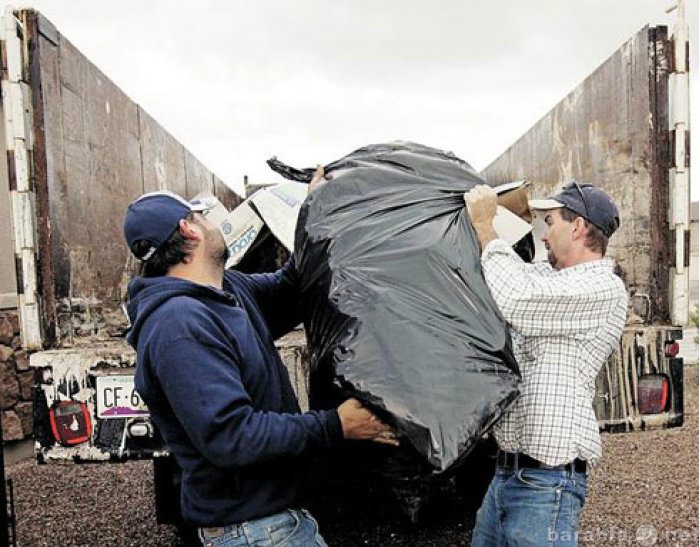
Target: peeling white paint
[
  {"x": 19, "y": 139},
  {"x": 82, "y": 452},
  {"x": 71, "y": 367},
  {"x": 161, "y": 175},
  {"x": 66, "y": 376}
]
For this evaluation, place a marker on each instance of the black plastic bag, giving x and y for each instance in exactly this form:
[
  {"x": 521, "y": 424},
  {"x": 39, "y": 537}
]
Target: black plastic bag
[{"x": 399, "y": 314}]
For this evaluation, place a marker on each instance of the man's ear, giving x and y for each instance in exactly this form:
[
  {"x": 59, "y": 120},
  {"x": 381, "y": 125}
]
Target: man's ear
[
  {"x": 579, "y": 228},
  {"x": 188, "y": 230}
]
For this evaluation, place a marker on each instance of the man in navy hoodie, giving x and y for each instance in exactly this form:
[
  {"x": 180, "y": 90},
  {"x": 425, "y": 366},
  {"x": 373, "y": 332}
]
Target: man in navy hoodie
[{"x": 215, "y": 385}]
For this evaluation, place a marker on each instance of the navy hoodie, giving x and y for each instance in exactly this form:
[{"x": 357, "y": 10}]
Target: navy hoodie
[{"x": 219, "y": 393}]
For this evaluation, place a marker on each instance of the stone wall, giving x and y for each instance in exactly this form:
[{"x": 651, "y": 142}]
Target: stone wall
[{"x": 16, "y": 381}]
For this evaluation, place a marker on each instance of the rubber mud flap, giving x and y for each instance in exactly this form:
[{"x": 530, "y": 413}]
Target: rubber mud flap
[{"x": 397, "y": 312}]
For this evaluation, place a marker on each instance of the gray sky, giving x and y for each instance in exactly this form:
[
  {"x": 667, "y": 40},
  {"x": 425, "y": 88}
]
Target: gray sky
[{"x": 310, "y": 80}]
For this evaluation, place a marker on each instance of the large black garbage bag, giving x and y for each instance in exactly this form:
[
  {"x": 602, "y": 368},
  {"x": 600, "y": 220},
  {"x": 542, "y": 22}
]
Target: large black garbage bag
[{"x": 399, "y": 314}]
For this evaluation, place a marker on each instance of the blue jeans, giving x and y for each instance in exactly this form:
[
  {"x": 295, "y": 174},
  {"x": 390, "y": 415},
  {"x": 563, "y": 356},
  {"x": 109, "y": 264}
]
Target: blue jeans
[
  {"x": 530, "y": 507},
  {"x": 291, "y": 528}
]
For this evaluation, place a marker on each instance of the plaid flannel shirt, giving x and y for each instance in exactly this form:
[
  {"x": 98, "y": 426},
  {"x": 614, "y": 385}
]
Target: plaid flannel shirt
[{"x": 565, "y": 324}]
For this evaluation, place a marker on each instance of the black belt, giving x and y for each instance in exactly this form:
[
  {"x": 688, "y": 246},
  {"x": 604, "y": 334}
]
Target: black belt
[{"x": 518, "y": 460}]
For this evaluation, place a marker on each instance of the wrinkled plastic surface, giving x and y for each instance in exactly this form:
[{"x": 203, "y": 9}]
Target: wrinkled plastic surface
[{"x": 399, "y": 314}]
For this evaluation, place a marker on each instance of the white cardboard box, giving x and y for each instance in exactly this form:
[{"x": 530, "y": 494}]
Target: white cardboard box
[
  {"x": 277, "y": 206},
  {"x": 239, "y": 227}
]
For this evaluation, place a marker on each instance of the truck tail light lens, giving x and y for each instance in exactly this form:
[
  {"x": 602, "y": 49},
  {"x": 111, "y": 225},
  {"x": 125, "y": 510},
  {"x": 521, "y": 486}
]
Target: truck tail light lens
[
  {"x": 70, "y": 422},
  {"x": 653, "y": 393},
  {"x": 671, "y": 349}
]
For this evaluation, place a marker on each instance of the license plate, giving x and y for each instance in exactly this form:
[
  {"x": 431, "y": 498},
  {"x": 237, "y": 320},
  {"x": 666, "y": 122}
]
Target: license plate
[{"x": 117, "y": 397}]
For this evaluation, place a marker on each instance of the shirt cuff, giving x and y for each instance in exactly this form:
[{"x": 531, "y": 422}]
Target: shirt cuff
[
  {"x": 335, "y": 428},
  {"x": 495, "y": 246}
]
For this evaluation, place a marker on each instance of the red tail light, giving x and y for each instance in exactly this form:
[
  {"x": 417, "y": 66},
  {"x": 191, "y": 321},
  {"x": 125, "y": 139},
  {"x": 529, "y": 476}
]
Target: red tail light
[
  {"x": 671, "y": 349},
  {"x": 70, "y": 422},
  {"x": 653, "y": 394}
]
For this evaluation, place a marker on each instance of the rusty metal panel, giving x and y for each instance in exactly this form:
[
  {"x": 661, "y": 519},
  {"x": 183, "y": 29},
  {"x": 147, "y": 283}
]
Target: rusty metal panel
[
  {"x": 95, "y": 151},
  {"x": 162, "y": 156},
  {"x": 605, "y": 132},
  {"x": 228, "y": 197},
  {"x": 49, "y": 176},
  {"x": 103, "y": 171},
  {"x": 198, "y": 178},
  {"x": 661, "y": 245}
]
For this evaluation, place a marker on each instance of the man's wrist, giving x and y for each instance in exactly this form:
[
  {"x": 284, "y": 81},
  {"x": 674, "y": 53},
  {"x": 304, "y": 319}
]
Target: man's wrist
[{"x": 485, "y": 233}]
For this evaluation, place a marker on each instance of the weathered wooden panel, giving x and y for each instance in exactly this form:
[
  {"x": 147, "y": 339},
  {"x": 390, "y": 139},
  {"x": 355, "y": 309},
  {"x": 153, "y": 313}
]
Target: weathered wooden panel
[
  {"x": 605, "y": 132},
  {"x": 8, "y": 279},
  {"x": 162, "y": 156}
]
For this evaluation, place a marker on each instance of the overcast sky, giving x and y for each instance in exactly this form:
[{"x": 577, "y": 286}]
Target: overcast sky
[{"x": 310, "y": 80}]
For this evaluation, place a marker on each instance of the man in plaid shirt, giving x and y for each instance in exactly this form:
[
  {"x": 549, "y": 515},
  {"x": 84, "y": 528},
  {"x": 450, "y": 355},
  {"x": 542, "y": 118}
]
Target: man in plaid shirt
[{"x": 566, "y": 318}]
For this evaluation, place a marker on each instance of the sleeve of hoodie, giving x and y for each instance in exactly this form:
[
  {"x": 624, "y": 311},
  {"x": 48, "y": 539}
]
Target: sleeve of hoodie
[
  {"x": 202, "y": 382},
  {"x": 278, "y": 296}
]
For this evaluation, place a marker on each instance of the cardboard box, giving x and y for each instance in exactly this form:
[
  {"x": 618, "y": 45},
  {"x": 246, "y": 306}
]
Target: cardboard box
[{"x": 277, "y": 206}]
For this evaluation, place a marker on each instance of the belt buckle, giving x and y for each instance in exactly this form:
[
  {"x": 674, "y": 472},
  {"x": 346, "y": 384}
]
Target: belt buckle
[{"x": 214, "y": 531}]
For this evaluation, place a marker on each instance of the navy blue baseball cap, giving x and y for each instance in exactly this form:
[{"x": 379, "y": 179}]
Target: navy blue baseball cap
[
  {"x": 155, "y": 216},
  {"x": 587, "y": 201}
]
